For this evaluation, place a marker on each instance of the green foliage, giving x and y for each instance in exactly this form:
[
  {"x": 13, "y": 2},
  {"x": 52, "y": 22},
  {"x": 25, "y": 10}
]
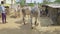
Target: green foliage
[
  {"x": 45, "y": 2},
  {"x": 31, "y": 4},
  {"x": 22, "y": 2},
  {"x": 58, "y": 1}
]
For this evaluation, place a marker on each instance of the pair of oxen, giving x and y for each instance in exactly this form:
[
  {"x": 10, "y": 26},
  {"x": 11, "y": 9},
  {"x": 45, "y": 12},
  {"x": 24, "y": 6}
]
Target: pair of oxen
[{"x": 32, "y": 12}]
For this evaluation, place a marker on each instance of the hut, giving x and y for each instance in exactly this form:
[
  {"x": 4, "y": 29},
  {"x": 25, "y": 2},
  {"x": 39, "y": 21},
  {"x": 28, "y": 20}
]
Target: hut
[{"x": 53, "y": 12}]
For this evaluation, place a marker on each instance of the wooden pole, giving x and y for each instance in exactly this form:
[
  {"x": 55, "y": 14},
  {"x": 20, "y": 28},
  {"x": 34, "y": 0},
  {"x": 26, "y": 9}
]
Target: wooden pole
[{"x": 11, "y": 3}]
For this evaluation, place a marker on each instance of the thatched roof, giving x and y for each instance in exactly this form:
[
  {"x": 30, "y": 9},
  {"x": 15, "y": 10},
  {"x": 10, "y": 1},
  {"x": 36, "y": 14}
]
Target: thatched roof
[{"x": 53, "y": 5}]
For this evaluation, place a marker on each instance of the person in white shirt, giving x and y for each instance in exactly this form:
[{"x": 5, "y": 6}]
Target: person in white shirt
[
  {"x": 15, "y": 10},
  {"x": 3, "y": 12},
  {"x": 18, "y": 10}
]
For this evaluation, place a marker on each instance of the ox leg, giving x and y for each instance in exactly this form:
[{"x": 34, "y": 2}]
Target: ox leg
[
  {"x": 18, "y": 14},
  {"x": 31, "y": 22},
  {"x": 24, "y": 19},
  {"x": 35, "y": 20},
  {"x": 28, "y": 18},
  {"x": 15, "y": 14}
]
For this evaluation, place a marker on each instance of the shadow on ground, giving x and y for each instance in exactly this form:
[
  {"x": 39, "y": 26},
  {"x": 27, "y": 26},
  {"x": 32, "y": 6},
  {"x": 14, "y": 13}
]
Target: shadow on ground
[
  {"x": 19, "y": 21},
  {"x": 12, "y": 16}
]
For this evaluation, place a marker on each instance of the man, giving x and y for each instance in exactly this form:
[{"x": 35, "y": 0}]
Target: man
[
  {"x": 15, "y": 10},
  {"x": 46, "y": 9},
  {"x": 18, "y": 11},
  {"x": 3, "y": 12}
]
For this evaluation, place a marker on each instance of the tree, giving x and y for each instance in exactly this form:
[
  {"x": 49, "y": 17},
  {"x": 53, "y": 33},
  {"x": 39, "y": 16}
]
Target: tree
[
  {"x": 11, "y": 3},
  {"x": 58, "y": 1},
  {"x": 23, "y": 2},
  {"x": 47, "y": 1},
  {"x": 4, "y": 1}
]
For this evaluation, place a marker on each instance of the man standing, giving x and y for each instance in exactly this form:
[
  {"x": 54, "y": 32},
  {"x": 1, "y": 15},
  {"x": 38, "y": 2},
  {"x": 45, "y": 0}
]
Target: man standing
[
  {"x": 18, "y": 10},
  {"x": 3, "y": 12}
]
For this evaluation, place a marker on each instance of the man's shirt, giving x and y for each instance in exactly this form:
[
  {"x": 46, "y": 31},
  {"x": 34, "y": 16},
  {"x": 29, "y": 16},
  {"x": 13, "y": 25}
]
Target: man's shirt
[{"x": 3, "y": 9}]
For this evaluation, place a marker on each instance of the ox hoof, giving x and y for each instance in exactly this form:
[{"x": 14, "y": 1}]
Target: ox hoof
[
  {"x": 36, "y": 24},
  {"x": 31, "y": 27},
  {"x": 24, "y": 24}
]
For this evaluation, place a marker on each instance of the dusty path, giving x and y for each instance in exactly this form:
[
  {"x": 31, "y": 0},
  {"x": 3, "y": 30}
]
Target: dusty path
[{"x": 16, "y": 26}]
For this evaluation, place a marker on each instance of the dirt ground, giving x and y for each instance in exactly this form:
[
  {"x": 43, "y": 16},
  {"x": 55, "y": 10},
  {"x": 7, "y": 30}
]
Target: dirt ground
[{"x": 16, "y": 26}]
